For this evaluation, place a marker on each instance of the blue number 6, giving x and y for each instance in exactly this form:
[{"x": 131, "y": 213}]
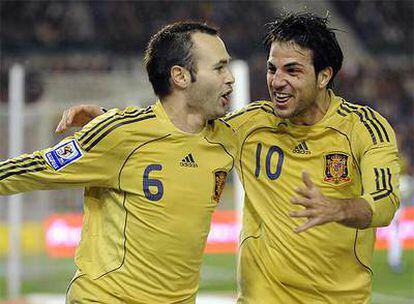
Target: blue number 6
[{"x": 148, "y": 182}]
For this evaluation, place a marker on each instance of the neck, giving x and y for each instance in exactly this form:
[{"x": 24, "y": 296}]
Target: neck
[
  {"x": 316, "y": 112},
  {"x": 183, "y": 117}
]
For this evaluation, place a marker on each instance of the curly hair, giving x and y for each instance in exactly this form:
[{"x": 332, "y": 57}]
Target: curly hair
[{"x": 311, "y": 32}]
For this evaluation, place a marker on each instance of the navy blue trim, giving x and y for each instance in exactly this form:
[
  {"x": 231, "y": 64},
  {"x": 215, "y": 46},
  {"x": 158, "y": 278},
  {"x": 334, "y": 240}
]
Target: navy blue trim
[{"x": 93, "y": 144}]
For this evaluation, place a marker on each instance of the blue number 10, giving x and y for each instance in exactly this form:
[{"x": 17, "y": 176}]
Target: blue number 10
[{"x": 272, "y": 150}]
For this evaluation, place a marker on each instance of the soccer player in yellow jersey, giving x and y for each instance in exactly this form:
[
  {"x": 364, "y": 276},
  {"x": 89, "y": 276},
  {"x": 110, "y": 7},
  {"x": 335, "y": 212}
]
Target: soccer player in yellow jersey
[
  {"x": 152, "y": 176},
  {"x": 320, "y": 174}
]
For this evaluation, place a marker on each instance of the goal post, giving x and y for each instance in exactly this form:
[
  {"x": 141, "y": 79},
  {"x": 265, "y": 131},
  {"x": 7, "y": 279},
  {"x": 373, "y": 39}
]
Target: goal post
[
  {"x": 16, "y": 134},
  {"x": 241, "y": 97}
]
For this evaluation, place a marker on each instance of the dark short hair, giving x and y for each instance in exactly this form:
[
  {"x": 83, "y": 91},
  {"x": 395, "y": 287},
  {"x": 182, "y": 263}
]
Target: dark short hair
[
  {"x": 311, "y": 32},
  {"x": 172, "y": 46}
]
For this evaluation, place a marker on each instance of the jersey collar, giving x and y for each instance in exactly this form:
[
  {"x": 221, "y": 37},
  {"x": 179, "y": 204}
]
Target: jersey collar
[{"x": 166, "y": 121}]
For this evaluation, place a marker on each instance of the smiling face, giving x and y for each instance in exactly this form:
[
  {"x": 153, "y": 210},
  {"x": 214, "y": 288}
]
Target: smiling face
[
  {"x": 295, "y": 89},
  {"x": 214, "y": 80}
]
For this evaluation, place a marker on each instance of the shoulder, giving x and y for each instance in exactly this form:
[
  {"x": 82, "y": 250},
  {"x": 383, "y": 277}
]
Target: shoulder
[
  {"x": 366, "y": 123},
  {"x": 254, "y": 110},
  {"x": 115, "y": 126},
  {"x": 222, "y": 132}
]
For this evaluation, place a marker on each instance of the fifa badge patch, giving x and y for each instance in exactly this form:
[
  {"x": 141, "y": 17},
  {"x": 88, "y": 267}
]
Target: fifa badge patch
[
  {"x": 336, "y": 168},
  {"x": 220, "y": 180},
  {"x": 62, "y": 155}
]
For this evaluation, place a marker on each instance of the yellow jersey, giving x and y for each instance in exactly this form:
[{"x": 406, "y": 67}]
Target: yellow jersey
[
  {"x": 150, "y": 193},
  {"x": 350, "y": 153}
]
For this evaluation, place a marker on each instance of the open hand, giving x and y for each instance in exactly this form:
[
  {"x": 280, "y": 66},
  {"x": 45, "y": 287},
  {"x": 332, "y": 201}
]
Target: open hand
[
  {"x": 318, "y": 208},
  {"x": 78, "y": 116}
]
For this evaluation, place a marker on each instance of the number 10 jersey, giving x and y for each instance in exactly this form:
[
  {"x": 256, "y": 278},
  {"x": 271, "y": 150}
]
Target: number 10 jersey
[{"x": 350, "y": 153}]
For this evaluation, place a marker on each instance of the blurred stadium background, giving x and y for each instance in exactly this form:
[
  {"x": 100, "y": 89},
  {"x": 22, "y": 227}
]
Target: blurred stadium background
[{"x": 90, "y": 51}]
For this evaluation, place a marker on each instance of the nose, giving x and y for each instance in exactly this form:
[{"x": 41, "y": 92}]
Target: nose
[
  {"x": 278, "y": 80},
  {"x": 229, "y": 77}
]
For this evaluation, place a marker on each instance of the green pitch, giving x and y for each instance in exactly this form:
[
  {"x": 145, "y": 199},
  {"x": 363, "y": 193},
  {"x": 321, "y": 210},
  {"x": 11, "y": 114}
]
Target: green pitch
[
  {"x": 390, "y": 287},
  {"x": 44, "y": 275}
]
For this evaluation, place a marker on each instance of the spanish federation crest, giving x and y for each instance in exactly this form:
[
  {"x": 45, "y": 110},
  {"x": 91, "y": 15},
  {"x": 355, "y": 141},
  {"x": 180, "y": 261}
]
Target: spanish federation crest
[
  {"x": 220, "y": 181},
  {"x": 336, "y": 168}
]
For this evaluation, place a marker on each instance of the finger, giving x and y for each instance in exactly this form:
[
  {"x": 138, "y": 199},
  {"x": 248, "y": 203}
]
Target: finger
[
  {"x": 61, "y": 126},
  {"x": 306, "y": 179},
  {"x": 301, "y": 201},
  {"x": 309, "y": 224},
  {"x": 303, "y": 192},
  {"x": 69, "y": 117},
  {"x": 302, "y": 213}
]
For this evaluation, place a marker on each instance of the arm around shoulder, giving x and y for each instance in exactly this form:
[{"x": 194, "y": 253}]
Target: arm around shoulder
[{"x": 89, "y": 158}]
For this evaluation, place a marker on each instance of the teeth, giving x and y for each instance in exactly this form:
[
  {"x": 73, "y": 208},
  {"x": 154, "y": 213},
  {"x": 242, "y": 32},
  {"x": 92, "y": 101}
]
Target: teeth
[
  {"x": 282, "y": 96},
  {"x": 226, "y": 96}
]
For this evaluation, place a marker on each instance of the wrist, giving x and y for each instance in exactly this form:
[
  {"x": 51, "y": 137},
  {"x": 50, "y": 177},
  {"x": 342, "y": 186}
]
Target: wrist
[
  {"x": 355, "y": 213},
  {"x": 343, "y": 210}
]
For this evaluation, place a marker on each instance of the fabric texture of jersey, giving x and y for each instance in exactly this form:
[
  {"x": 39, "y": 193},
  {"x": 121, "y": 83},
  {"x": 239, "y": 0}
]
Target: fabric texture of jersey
[
  {"x": 150, "y": 193},
  {"x": 350, "y": 153}
]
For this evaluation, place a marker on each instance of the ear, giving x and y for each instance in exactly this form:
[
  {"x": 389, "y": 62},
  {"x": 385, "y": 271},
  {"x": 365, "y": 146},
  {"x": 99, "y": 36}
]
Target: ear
[
  {"x": 180, "y": 76},
  {"x": 324, "y": 76}
]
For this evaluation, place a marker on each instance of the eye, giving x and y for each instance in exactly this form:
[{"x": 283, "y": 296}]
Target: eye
[
  {"x": 271, "y": 69},
  {"x": 293, "y": 71}
]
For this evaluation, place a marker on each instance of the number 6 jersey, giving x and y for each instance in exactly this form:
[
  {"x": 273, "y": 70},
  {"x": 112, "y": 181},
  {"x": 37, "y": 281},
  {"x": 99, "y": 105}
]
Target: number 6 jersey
[{"x": 150, "y": 193}]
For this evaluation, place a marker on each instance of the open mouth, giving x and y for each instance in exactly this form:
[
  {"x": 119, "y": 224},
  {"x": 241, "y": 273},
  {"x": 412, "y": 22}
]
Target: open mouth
[
  {"x": 281, "y": 98},
  {"x": 225, "y": 98}
]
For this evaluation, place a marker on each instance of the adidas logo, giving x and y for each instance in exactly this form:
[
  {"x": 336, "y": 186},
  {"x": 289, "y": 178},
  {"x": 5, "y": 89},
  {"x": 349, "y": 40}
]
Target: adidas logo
[
  {"x": 302, "y": 148},
  {"x": 188, "y": 161}
]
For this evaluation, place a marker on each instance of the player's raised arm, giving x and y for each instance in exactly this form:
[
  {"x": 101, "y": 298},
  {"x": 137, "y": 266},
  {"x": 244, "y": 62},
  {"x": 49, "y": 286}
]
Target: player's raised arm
[
  {"x": 319, "y": 209},
  {"x": 377, "y": 156},
  {"x": 92, "y": 157},
  {"x": 78, "y": 116}
]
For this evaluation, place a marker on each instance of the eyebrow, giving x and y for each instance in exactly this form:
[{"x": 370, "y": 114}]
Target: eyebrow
[
  {"x": 222, "y": 61},
  {"x": 288, "y": 65},
  {"x": 293, "y": 64}
]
